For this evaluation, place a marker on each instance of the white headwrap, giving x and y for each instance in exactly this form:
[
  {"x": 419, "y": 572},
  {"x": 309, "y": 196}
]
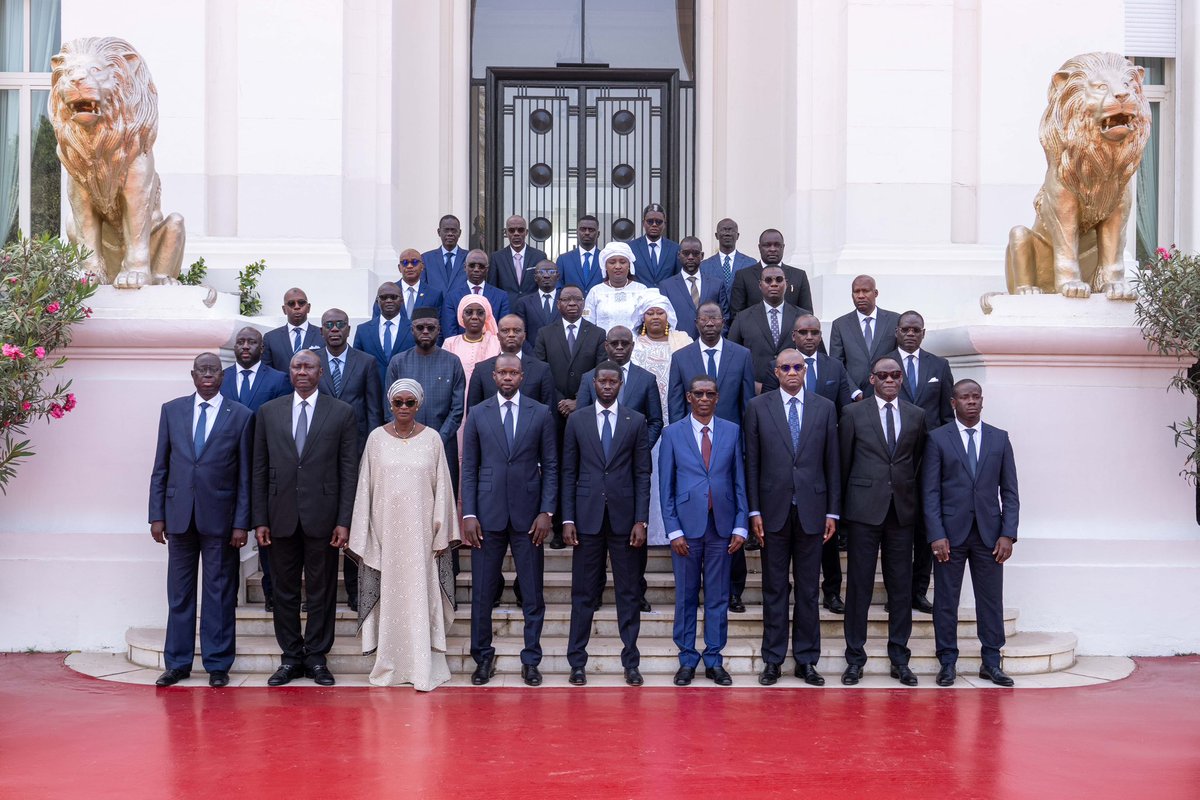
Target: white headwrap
[
  {"x": 407, "y": 385},
  {"x": 615, "y": 249},
  {"x": 653, "y": 299}
]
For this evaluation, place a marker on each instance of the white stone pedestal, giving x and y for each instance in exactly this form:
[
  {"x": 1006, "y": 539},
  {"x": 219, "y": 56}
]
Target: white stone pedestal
[{"x": 1109, "y": 546}]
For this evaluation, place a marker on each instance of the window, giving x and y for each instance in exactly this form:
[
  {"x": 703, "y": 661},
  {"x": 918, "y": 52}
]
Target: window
[
  {"x": 30, "y": 175},
  {"x": 1154, "y": 212}
]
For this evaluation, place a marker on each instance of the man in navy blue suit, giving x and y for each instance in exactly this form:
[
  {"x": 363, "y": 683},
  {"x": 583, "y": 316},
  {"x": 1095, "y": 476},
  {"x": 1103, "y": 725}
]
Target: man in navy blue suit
[
  {"x": 702, "y": 483},
  {"x": 539, "y": 309},
  {"x": 509, "y": 491},
  {"x": 280, "y": 344},
  {"x": 511, "y": 268},
  {"x": 728, "y": 259},
  {"x": 731, "y": 363},
  {"x": 416, "y": 288},
  {"x": 580, "y": 265},
  {"x": 606, "y": 507},
  {"x": 444, "y": 265},
  {"x": 388, "y": 334},
  {"x": 972, "y": 508},
  {"x": 656, "y": 256},
  {"x": 200, "y": 509},
  {"x": 538, "y": 382},
  {"x": 693, "y": 286},
  {"x": 476, "y": 269}
]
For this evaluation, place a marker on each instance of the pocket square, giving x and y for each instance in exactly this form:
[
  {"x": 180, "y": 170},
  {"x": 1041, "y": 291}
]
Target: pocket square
[{"x": 934, "y": 379}]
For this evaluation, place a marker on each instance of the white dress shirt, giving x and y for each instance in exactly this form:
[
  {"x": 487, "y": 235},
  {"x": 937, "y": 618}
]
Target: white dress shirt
[
  {"x": 719, "y": 347},
  {"x": 879, "y": 401},
  {"x": 312, "y": 407},
  {"x": 515, "y": 411},
  {"x": 962, "y": 435},
  {"x": 577, "y": 323},
  {"x": 383, "y": 323},
  {"x": 698, "y": 432},
  {"x": 471, "y": 287},
  {"x": 612, "y": 420},
  {"x": 303, "y": 328},
  {"x": 862, "y": 320},
  {"x": 214, "y": 406},
  {"x": 786, "y": 399},
  {"x": 252, "y": 377}
]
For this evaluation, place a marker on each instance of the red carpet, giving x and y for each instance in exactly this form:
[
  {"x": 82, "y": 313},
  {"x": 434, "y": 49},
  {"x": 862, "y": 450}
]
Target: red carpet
[{"x": 66, "y": 735}]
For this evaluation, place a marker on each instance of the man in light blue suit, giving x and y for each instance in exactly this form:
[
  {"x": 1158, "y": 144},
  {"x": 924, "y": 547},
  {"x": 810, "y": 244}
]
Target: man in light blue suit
[
  {"x": 702, "y": 484},
  {"x": 476, "y": 270},
  {"x": 728, "y": 259},
  {"x": 581, "y": 266},
  {"x": 693, "y": 286},
  {"x": 444, "y": 265},
  {"x": 656, "y": 256},
  {"x": 249, "y": 381},
  {"x": 730, "y": 362}
]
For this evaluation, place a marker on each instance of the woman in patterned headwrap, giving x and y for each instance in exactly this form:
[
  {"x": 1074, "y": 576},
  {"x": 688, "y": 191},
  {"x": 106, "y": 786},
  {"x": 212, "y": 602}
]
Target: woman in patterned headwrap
[{"x": 405, "y": 521}]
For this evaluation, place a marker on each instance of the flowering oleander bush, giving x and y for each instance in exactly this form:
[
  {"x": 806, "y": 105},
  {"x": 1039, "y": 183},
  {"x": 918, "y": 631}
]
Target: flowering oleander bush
[
  {"x": 1168, "y": 312},
  {"x": 43, "y": 293}
]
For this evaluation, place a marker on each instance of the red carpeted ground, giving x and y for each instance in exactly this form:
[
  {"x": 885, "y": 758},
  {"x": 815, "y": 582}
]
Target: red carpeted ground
[{"x": 66, "y": 735}]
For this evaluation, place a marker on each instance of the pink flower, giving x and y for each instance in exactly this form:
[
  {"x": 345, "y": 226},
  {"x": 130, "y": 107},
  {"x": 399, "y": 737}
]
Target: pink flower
[
  {"x": 87, "y": 311},
  {"x": 40, "y": 352},
  {"x": 26, "y": 405},
  {"x": 12, "y": 351},
  {"x": 53, "y": 308},
  {"x": 56, "y": 411},
  {"x": 12, "y": 280},
  {"x": 70, "y": 402}
]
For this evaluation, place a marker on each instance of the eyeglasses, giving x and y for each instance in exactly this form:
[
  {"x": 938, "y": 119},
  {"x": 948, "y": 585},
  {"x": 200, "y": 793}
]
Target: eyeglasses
[
  {"x": 785, "y": 368},
  {"x": 515, "y": 230},
  {"x": 911, "y": 330},
  {"x": 389, "y": 297},
  {"x": 701, "y": 394},
  {"x": 654, "y": 221},
  {"x": 206, "y": 371},
  {"x": 296, "y": 303},
  {"x": 883, "y": 375},
  {"x": 335, "y": 324},
  {"x": 806, "y": 332},
  {"x": 776, "y": 279},
  {"x": 411, "y": 262},
  {"x": 409, "y": 403},
  {"x": 432, "y": 327}
]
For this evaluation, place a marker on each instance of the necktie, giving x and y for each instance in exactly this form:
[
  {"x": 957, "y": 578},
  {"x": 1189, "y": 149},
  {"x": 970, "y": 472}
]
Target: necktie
[
  {"x": 912, "y": 377},
  {"x": 244, "y": 392},
  {"x": 448, "y": 266},
  {"x": 711, "y": 367},
  {"x": 624, "y": 380},
  {"x": 302, "y": 427},
  {"x": 477, "y": 289},
  {"x": 706, "y": 454},
  {"x": 695, "y": 291},
  {"x": 775, "y": 326},
  {"x": 510, "y": 427},
  {"x": 517, "y": 267},
  {"x": 891, "y": 428},
  {"x": 728, "y": 270},
  {"x": 868, "y": 336},
  {"x": 810, "y": 380},
  {"x": 587, "y": 267},
  {"x": 571, "y": 338},
  {"x": 387, "y": 338},
  {"x": 546, "y": 305},
  {"x": 336, "y": 368},
  {"x": 654, "y": 257},
  {"x": 295, "y": 340},
  {"x": 794, "y": 422},
  {"x": 412, "y": 301},
  {"x": 201, "y": 429},
  {"x": 606, "y": 434},
  {"x": 972, "y": 453}
]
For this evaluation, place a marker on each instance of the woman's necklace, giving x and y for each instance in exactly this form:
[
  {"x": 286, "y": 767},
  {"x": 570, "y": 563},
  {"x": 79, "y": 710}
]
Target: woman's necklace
[
  {"x": 469, "y": 340},
  {"x": 401, "y": 436}
]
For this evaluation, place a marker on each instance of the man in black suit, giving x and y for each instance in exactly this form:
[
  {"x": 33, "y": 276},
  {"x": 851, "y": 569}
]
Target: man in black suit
[
  {"x": 280, "y": 344},
  {"x": 606, "y": 507},
  {"x": 746, "y": 291},
  {"x": 711, "y": 353},
  {"x": 304, "y": 480},
  {"x": 511, "y": 268},
  {"x": 200, "y": 509},
  {"x": 972, "y": 508},
  {"x": 882, "y": 440},
  {"x": 793, "y": 484},
  {"x": 764, "y": 327},
  {"x": 863, "y": 335},
  {"x": 538, "y": 383},
  {"x": 509, "y": 491},
  {"x": 539, "y": 309},
  {"x": 928, "y": 383}
]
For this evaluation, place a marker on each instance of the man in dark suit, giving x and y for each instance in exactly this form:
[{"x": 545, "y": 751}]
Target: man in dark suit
[
  {"x": 538, "y": 383},
  {"x": 731, "y": 362},
  {"x": 416, "y": 290},
  {"x": 476, "y": 268},
  {"x": 972, "y": 508},
  {"x": 580, "y": 265},
  {"x": 656, "y": 256},
  {"x": 794, "y": 490},
  {"x": 571, "y": 347},
  {"x": 763, "y": 327},
  {"x": 540, "y": 308},
  {"x": 606, "y": 507},
  {"x": 746, "y": 291},
  {"x": 280, "y": 344},
  {"x": 511, "y": 268},
  {"x": 388, "y": 334},
  {"x": 702, "y": 483},
  {"x": 200, "y": 509},
  {"x": 509, "y": 491},
  {"x": 693, "y": 286},
  {"x": 881, "y": 445},
  {"x": 928, "y": 384},
  {"x": 351, "y": 376},
  {"x": 728, "y": 259},
  {"x": 304, "y": 481},
  {"x": 444, "y": 264},
  {"x": 863, "y": 335}
]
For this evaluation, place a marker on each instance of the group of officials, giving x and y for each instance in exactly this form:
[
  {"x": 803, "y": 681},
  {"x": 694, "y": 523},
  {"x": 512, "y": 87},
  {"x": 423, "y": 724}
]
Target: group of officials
[{"x": 770, "y": 442}]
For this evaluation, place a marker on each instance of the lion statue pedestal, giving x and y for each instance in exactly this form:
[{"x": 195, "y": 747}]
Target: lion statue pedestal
[{"x": 104, "y": 109}]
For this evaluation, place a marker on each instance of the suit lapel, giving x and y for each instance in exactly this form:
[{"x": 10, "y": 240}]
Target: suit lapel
[
  {"x": 775, "y": 410},
  {"x": 498, "y": 425},
  {"x": 954, "y": 440},
  {"x": 760, "y": 316},
  {"x": 218, "y": 425},
  {"x": 593, "y": 437},
  {"x": 314, "y": 426},
  {"x": 877, "y": 424}
]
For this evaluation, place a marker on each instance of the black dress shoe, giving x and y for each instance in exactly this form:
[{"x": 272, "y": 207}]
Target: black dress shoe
[
  {"x": 353, "y": 605},
  {"x": 320, "y": 675},
  {"x": 285, "y": 674},
  {"x": 834, "y": 603},
  {"x": 269, "y": 604},
  {"x": 531, "y": 675},
  {"x": 556, "y": 542},
  {"x": 770, "y": 674},
  {"x": 684, "y": 676},
  {"x": 902, "y": 673},
  {"x": 852, "y": 674},
  {"x": 172, "y": 677},
  {"x": 484, "y": 672},
  {"x": 841, "y": 542},
  {"x": 578, "y": 676},
  {"x": 751, "y": 545},
  {"x": 217, "y": 679},
  {"x": 995, "y": 675},
  {"x": 645, "y": 606},
  {"x": 921, "y": 604},
  {"x": 810, "y": 675},
  {"x": 633, "y": 677},
  {"x": 303, "y": 606},
  {"x": 736, "y": 605},
  {"x": 946, "y": 675},
  {"x": 718, "y": 675}
]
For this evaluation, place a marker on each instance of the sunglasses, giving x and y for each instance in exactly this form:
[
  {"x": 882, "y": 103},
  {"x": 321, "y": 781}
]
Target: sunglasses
[
  {"x": 410, "y": 403},
  {"x": 702, "y": 393},
  {"x": 389, "y": 297},
  {"x": 776, "y": 279},
  {"x": 335, "y": 324},
  {"x": 411, "y": 262},
  {"x": 655, "y": 221},
  {"x": 911, "y": 330},
  {"x": 883, "y": 375},
  {"x": 425, "y": 327},
  {"x": 807, "y": 332},
  {"x": 786, "y": 368},
  {"x": 296, "y": 303},
  {"x": 515, "y": 230}
]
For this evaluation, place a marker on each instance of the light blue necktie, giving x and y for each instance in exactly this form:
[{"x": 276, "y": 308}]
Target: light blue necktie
[
  {"x": 810, "y": 380},
  {"x": 244, "y": 392},
  {"x": 510, "y": 428},
  {"x": 794, "y": 422},
  {"x": 336, "y": 365},
  {"x": 410, "y": 302},
  {"x": 607, "y": 434},
  {"x": 972, "y": 453},
  {"x": 296, "y": 341},
  {"x": 387, "y": 338},
  {"x": 201, "y": 429},
  {"x": 302, "y": 428}
]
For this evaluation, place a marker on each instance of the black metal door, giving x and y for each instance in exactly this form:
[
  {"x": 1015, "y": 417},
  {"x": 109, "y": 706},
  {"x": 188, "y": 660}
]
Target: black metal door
[{"x": 568, "y": 142}]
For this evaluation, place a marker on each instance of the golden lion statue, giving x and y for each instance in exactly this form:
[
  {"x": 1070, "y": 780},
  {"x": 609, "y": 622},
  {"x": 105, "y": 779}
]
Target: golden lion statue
[
  {"x": 1093, "y": 131},
  {"x": 104, "y": 109}
]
